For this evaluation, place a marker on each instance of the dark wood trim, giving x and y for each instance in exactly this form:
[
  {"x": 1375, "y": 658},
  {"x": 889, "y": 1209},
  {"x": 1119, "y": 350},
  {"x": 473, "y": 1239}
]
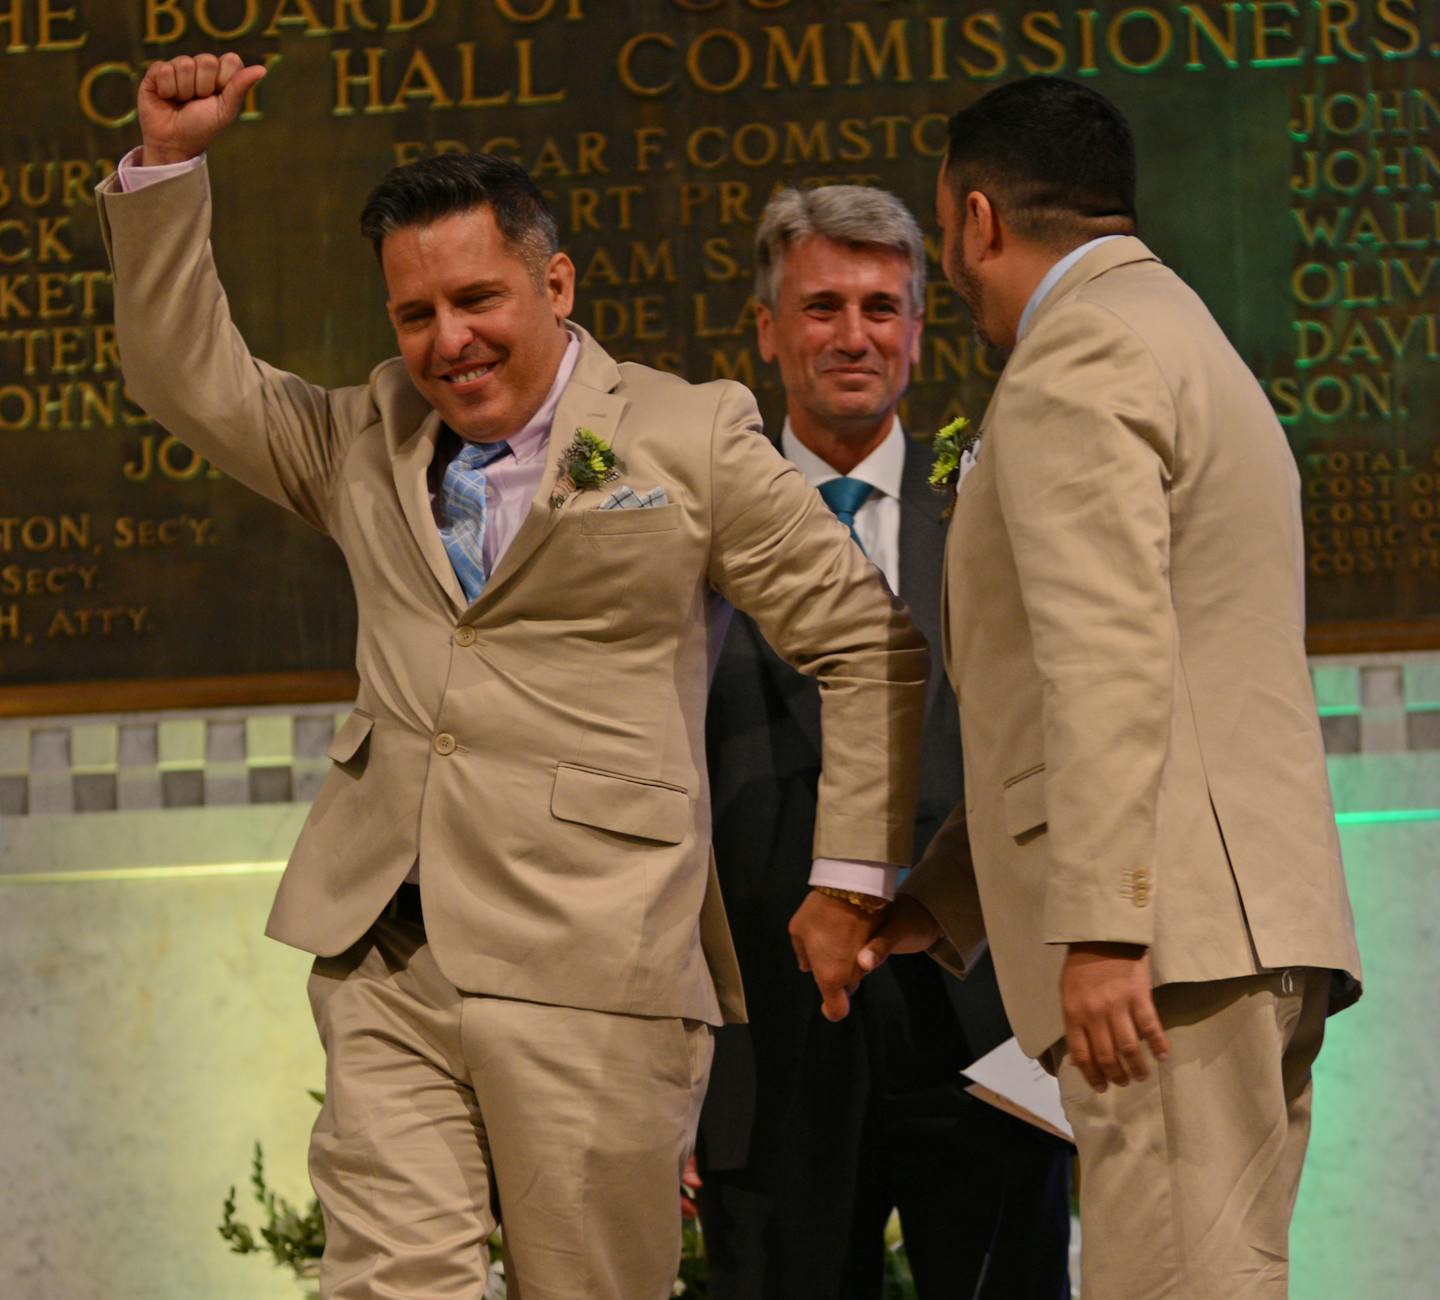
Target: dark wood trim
[
  {"x": 1377, "y": 636},
  {"x": 145, "y": 695}
]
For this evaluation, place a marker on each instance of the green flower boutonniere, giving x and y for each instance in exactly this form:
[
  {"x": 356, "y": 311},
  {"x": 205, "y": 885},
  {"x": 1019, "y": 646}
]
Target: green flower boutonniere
[
  {"x": 586, "y": 463},
  {"x": 950, "y": 446}
]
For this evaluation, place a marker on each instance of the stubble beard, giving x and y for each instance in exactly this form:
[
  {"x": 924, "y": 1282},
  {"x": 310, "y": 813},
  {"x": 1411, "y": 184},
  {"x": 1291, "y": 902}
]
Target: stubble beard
[{"x": 967, "y": 284}]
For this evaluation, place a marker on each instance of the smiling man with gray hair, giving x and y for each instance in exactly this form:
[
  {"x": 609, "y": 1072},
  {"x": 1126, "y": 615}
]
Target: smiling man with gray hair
[{"x": 818, "y": 1124}]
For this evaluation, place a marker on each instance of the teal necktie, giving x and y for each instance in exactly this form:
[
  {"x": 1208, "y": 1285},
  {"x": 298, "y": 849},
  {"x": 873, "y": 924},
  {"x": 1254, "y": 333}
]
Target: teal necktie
[{"x": 845, "y": 496}]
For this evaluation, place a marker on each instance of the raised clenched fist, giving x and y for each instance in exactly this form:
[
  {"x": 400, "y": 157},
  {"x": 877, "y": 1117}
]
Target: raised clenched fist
[{"x": 185, "y": 103}]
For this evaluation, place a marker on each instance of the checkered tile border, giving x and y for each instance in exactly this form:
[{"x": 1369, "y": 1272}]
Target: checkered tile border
[{"x": 1381, "y": 704}]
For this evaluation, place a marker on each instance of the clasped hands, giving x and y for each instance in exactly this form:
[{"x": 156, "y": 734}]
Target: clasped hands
[
  {"x": 839, "y": 944},
  {"x": 1105, "y": 988}
]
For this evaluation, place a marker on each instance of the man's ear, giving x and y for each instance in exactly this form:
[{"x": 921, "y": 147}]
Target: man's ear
[
  {"x": 982, "y": 231},
  {"x": 765, "y": 332},
  {"x": 560, "y": 285}
]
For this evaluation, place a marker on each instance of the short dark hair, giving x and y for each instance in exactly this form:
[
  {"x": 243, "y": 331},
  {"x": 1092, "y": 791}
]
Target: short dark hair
[
  {"x": 1055, "y": 158},
  {"x": 430, "y": 188}
]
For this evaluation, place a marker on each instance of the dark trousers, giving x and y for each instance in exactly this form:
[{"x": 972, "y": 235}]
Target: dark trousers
[{"x": 874, "y": 1118}]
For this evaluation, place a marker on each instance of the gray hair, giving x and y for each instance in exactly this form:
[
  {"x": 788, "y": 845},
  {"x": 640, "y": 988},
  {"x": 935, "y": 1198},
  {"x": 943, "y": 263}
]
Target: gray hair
[{"x": 854, "y": 215}]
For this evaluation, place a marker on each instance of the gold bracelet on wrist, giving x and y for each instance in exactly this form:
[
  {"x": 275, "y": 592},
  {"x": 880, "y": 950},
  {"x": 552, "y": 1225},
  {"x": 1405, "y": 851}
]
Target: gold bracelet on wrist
[{"x": 865, "y": 902}]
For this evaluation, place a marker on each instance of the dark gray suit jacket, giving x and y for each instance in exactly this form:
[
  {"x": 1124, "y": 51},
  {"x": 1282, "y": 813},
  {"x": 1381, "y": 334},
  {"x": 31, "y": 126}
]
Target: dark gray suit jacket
[{"x": 763, "y": 743}]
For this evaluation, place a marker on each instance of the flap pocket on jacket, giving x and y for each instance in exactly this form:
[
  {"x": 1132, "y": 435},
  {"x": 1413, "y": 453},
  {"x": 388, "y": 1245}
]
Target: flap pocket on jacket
[
  {"x": 350, "y": 737},
  {"x": 642, "y": 519},
  {"x": 1025, "y": 801},
  {"x": 645, "y": 809}
]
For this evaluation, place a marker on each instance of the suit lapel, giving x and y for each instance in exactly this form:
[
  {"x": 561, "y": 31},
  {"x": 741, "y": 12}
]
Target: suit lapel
[
  {"x": 599, "y": 412},
  {"x": 588, "y": 399},
  {"x": 410, "y": 464},
  {"x": 922, "y": 534},
  {"x": 1113, "y": 253}
]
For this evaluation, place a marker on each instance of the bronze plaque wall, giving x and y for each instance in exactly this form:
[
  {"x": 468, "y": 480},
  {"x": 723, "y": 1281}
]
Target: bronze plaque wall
[{"x": 1290, "y": 164}]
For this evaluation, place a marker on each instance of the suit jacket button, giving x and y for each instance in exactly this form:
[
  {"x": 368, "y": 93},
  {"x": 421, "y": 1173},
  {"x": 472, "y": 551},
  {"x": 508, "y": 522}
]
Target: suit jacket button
[
  {"x": 444, "y": 743},
  {"x": 464, "y": 636}
]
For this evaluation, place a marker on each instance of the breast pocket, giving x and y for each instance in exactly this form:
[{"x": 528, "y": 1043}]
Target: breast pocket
[{"x": 642, "y": 519}]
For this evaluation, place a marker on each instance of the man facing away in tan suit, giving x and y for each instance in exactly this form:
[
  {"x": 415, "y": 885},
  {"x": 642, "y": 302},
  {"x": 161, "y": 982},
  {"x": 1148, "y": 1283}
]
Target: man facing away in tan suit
[
  {"x": 506, "y": 878},
  {"x": 1147, "y": 840}
]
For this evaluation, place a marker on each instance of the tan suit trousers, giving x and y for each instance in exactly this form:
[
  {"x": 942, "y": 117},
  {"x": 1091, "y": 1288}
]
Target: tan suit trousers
[
  {"x": 446, "y": 1112},
  {"x": 1188, "y": 1180}
]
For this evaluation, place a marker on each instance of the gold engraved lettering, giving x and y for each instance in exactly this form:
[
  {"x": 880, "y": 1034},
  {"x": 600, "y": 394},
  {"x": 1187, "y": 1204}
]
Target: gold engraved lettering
[
  {"x": 249, "y": 17},
  {"x": 739, "y": 53},
  {"x": 98, "y": 621},
  {"x": 779, "y": 52},
  {"x": 1263, "y": 31},
  {"x": 974, "y": 29},
  {"x": 51, "y": 580},
  {"x": 625, "y": 62},
  {"x": 1336, "y": 18},
  {"x": 733, "y": 363},
  {"x": 1162, "y": 37},
  {"x": 526, "y": 93},
  {"x": 369, "y": 80},
  {"x": 169, "y": 10},
  {"x": 468, "y": 97},
  {"x": 38, "y": 241},
  {"x": 894, "y": 48},
  {"x": 304, "y": 16},
  {"x": 401, "y": 22},
  {"x": 1031, "y": 27},
  {"x": 122, "y": 97},
  {"x": 1388, "y": 12},
  {"x": 167, "y": 457},
  {"x": 512, "y": 10},
  {"x": 1226, "y": 43},
  {"x": 420, "y": 83},
  {"x": 40, "y": 533}
]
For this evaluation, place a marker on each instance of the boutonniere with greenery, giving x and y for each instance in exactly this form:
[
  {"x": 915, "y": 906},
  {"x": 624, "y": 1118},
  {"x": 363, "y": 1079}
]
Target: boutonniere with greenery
[
  {"x": 586, "y": 463},
  {"x": 950, "y": 446}
]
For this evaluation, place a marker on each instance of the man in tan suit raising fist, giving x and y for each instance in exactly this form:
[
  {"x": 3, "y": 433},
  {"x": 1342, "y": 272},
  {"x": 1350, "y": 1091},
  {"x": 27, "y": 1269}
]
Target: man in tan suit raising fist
[
  {"x": 506, "y": 878},
  {"x": 1147, "y": 840}
]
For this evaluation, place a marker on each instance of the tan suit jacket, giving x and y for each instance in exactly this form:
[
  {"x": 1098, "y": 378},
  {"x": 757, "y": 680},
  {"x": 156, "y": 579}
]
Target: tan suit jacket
[
  {"x": 541, "y": 750},
  {"x": 1124, "y": 629}
]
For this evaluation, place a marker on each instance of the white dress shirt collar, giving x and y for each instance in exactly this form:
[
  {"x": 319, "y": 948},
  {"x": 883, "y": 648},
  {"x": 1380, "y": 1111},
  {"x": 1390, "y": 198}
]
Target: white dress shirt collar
[
  {"x": 1052, "y": 278},
  {"x": 883, "y": 468}
]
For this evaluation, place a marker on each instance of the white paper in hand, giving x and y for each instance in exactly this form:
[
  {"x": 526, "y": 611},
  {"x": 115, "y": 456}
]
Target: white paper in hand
[{"x": 1009, "y": 1079}]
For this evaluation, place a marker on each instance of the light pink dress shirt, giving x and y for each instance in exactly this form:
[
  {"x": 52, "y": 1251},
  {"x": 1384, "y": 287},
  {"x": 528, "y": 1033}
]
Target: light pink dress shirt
[{"x": 512, "y": 481}]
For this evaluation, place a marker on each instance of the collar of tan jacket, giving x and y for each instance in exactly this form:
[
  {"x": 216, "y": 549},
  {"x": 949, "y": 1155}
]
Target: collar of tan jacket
[{"x": 1105, "y": 257}]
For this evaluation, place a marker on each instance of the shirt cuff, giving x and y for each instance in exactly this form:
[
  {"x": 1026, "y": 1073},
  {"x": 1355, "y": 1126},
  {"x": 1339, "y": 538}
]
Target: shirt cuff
[
  {"x": 135, "y": 177},
  {"x": 877, "y": 879}
]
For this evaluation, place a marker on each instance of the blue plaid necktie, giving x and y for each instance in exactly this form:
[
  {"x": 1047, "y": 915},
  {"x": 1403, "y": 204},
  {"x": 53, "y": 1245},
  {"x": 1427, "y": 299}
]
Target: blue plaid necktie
[
  {"x": 845, "y": 496},
  {"x": 462, "y": 494}
]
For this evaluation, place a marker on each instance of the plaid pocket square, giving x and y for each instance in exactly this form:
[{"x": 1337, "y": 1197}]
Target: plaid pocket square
[{"x": 626, "y": 498}]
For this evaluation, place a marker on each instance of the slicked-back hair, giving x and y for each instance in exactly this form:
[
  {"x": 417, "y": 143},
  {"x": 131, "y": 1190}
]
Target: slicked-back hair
[
  {"x": 852, "y": 215},
  {"x": 1055, "y": 158},
  {"x": 441, "y": 186}
]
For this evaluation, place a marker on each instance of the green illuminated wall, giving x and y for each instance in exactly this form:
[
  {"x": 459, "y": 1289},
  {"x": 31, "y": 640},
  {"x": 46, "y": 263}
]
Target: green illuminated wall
[{"x": 1365, "y": 1225}]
